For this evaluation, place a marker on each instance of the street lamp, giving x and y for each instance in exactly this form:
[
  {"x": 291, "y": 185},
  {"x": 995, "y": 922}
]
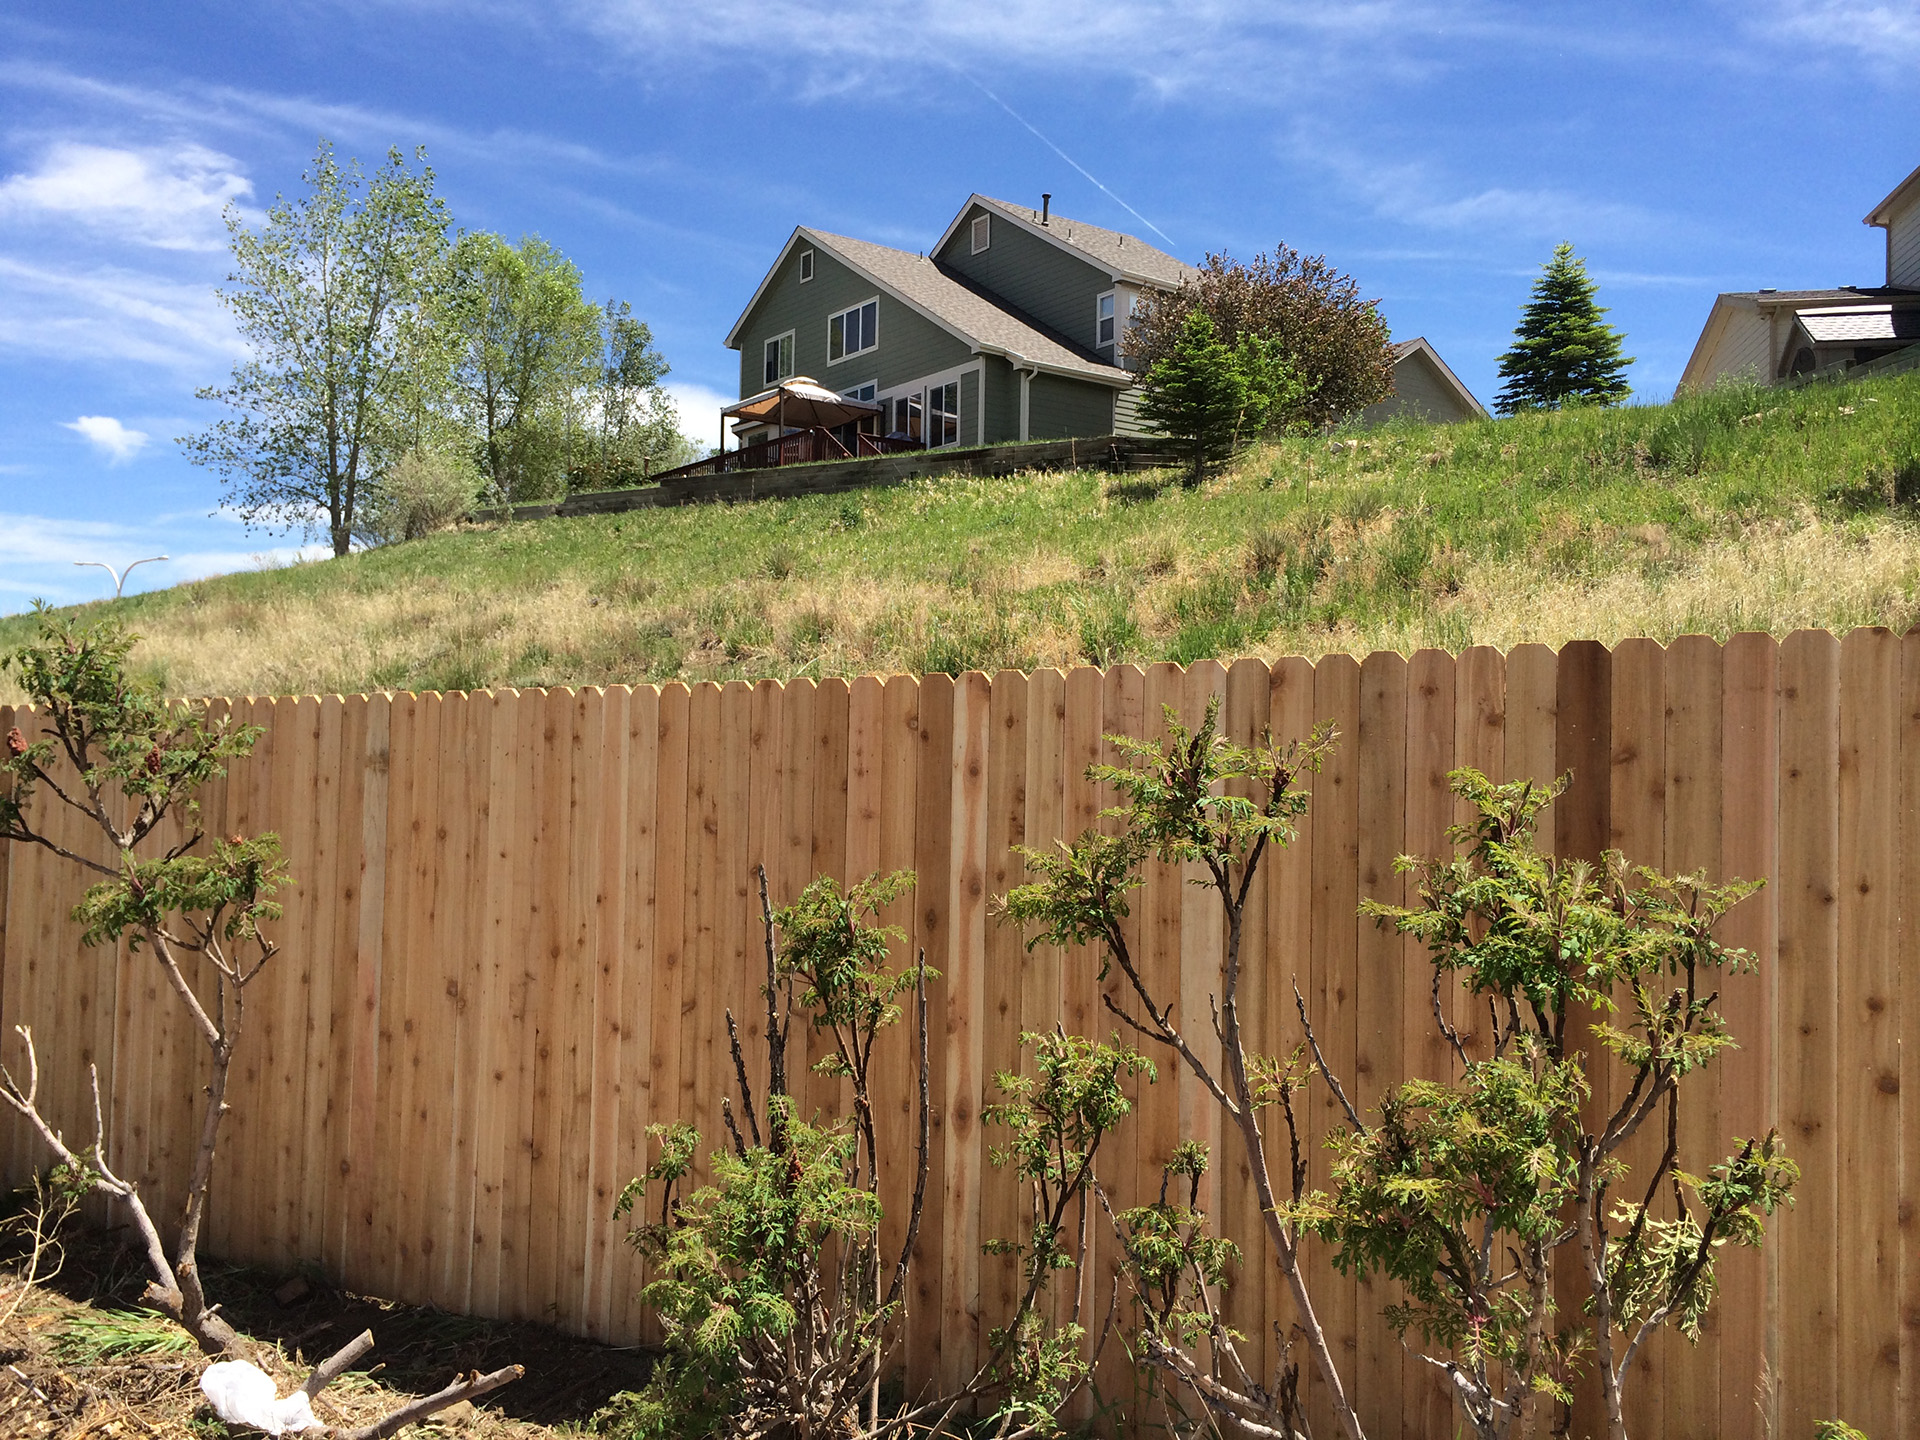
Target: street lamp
[{"x": 120, "y": 576}]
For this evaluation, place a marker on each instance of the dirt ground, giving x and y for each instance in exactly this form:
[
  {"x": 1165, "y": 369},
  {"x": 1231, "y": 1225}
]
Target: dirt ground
[{"x": 63, "y": 1371}]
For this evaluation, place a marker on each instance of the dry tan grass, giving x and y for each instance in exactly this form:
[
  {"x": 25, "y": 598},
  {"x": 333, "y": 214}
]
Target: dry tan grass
[{"x": 1777, "y": 577}]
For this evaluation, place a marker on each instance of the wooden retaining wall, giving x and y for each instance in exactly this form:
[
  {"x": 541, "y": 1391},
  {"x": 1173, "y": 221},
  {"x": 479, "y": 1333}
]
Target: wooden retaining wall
[
  {"x": 520, "y": 919},
  {"x": 834, "y": 477}
]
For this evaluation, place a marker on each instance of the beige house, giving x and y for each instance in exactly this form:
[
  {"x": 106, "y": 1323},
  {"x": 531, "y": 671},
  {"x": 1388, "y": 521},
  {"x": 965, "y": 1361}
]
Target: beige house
[
  {"x": 1775, "y": 334},
  {"x": 1424, "y": 388}
]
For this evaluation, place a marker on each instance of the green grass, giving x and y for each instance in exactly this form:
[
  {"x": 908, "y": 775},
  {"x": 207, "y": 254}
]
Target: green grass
[
  {"x": 1738, "y": 509},
  {"x": 96, "y": 1336}
]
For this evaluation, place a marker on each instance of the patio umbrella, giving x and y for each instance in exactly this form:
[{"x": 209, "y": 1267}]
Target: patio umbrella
[{"x": 800, "y": 403}]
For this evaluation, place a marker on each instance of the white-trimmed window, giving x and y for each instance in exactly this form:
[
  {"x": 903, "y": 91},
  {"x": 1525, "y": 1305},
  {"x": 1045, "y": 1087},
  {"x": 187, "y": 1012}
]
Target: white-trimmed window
[
  {"x": 864, "y": 392},
  {"x": 901, "y": 416},
  {"x": 777, "y": 359},
  {"x": 853, "y": 331},
  {"x": 806, "y": 266},
  {"x": 982, "y": 232},
  {"x": 1103, "y": 325}
]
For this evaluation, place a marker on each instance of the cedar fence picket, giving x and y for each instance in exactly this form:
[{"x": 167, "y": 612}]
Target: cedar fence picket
[{"x": 519, "y": 919}]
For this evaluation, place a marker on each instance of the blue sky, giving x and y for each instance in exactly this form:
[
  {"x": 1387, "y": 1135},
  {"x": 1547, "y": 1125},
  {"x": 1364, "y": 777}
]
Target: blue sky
[{"x": 1436, "y": 151}]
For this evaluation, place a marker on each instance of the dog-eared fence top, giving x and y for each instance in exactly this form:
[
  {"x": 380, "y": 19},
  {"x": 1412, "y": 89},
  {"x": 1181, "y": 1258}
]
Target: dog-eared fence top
[{"x": 519, "y": 918}]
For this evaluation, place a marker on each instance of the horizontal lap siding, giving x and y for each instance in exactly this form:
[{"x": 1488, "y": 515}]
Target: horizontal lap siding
[
  {"x": 522, "y": 918},
  {"x": 1059, "y": 408},
  {"x": 1032, "y": 275},
  {"x": 1903, "y": 247},
  {"x": 909, "y": 346}
]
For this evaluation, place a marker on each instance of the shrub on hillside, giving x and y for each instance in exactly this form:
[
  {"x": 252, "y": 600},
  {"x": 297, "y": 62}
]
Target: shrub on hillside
[
  {"x": 1311, "y": 314},
  {"x": 1214, "y": 398},
  {"x": 424, "y": 491}
]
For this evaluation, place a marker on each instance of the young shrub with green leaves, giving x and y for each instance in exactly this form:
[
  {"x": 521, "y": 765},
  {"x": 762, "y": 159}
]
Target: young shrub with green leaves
[
  {"x": 1055, "y": 1119},
  {"x": 112, "y": 748},
  {"x": 777, "y": 1304},
  {"x": 129, "y": 762},
  {"x": 1462, "y": 1192},
  {"x": 1216, "y": 398},
  {"x": 1458, "y": 1192},
  {"x": 1178, "y": 1267},
  {"x": 780, "y": 1310},
  {"x": 1204, "y": 801}
]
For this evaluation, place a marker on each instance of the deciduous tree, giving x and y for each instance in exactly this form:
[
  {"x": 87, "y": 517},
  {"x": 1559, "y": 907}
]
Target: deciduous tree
[
  {"x": 527, "y": 340},
  {"x": 628, "y": 427},
  {"x": 334, "y": 296}
]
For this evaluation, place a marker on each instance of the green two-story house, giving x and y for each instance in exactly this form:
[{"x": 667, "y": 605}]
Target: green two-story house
[{"x": 1008, "y": 329}]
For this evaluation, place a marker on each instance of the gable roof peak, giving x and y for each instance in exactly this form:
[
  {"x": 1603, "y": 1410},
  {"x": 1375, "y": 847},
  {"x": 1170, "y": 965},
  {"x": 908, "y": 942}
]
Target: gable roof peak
[
  {"x": 919, "y": 282},
  {"x": 1122, "y": 256},
  {"x": 1882, "y": 214}
]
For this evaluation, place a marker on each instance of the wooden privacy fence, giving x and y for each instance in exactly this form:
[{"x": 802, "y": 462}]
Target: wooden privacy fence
[{"x": 520, "y": 918}]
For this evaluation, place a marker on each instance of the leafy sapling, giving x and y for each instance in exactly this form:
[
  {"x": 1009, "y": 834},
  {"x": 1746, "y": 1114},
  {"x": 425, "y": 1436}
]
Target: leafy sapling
[
  {"x": 1056, "y": 1120},
  {"x": 1458, "y": 1191},
  {"x": 1462, "y": 1191},
  {"x": 779, "y": 1308},
  {"x": 128, "y": 762},
  {"x": 1205, "y": 801},
  {"x": 131, "y": 765},
  {"x": 781, "y": 1312}
]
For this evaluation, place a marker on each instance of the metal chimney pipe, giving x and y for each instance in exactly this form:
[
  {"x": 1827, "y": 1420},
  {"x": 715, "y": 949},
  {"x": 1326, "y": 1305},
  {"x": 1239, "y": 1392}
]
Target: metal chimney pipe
[{"x": 1046, "y": 204}]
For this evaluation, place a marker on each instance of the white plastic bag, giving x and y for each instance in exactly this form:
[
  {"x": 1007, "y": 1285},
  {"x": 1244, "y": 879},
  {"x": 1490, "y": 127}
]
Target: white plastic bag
[{"x": 244, "y": 1394}]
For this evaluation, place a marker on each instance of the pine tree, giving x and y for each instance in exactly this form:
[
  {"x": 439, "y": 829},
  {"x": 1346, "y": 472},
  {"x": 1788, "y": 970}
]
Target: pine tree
[
  {"x": 1562, "y": 350},
  {"x": 1197, "y": 394}
]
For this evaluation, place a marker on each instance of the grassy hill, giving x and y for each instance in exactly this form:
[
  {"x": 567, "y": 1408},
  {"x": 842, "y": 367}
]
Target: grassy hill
[{"x": 1741, "y": 509}]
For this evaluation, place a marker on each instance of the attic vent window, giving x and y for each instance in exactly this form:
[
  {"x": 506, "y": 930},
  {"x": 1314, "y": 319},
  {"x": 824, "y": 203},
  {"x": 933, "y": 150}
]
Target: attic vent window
[
  {"x": 982, "y": 232},
  {"x": 806, "y": 265}
]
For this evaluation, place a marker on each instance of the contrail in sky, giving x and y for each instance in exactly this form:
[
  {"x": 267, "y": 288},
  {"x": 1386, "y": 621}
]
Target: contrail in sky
[{"x": 1069, "y": 159}]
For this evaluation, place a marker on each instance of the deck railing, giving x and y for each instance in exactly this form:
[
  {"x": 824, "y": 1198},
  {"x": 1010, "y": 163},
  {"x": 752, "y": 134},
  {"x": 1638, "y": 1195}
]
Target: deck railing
[{"x": 801, "y": 447}]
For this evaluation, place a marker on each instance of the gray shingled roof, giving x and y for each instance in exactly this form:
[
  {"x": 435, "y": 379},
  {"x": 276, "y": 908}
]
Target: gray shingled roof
[
  {"x": 1108, "y": 248},
  {"x": 917, "y": 280},
  {"x": 1862, "y": 322},
  {"x": 1806, "y": 297}
]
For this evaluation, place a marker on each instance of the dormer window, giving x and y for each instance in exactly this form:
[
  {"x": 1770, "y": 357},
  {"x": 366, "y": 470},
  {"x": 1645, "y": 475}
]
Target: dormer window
[
  {"x": 806, "y": 265},
  {"x": 982, "y": 232}
]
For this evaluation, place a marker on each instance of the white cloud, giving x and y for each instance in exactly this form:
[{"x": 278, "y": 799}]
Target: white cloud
[
  {"x": 1162, "y": 46},
  {"x": 170, "y": 199},
  {"x": 699, "y": 410},
  {"x": 42, "y": 539},
  {"x": 109, "y": 437},
  {"x": 361, "y": 130},
  {"x": 1881, "y": 34},
  {"x": 105, "y": 312},
  {"x": 1424, "y": 196}
]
